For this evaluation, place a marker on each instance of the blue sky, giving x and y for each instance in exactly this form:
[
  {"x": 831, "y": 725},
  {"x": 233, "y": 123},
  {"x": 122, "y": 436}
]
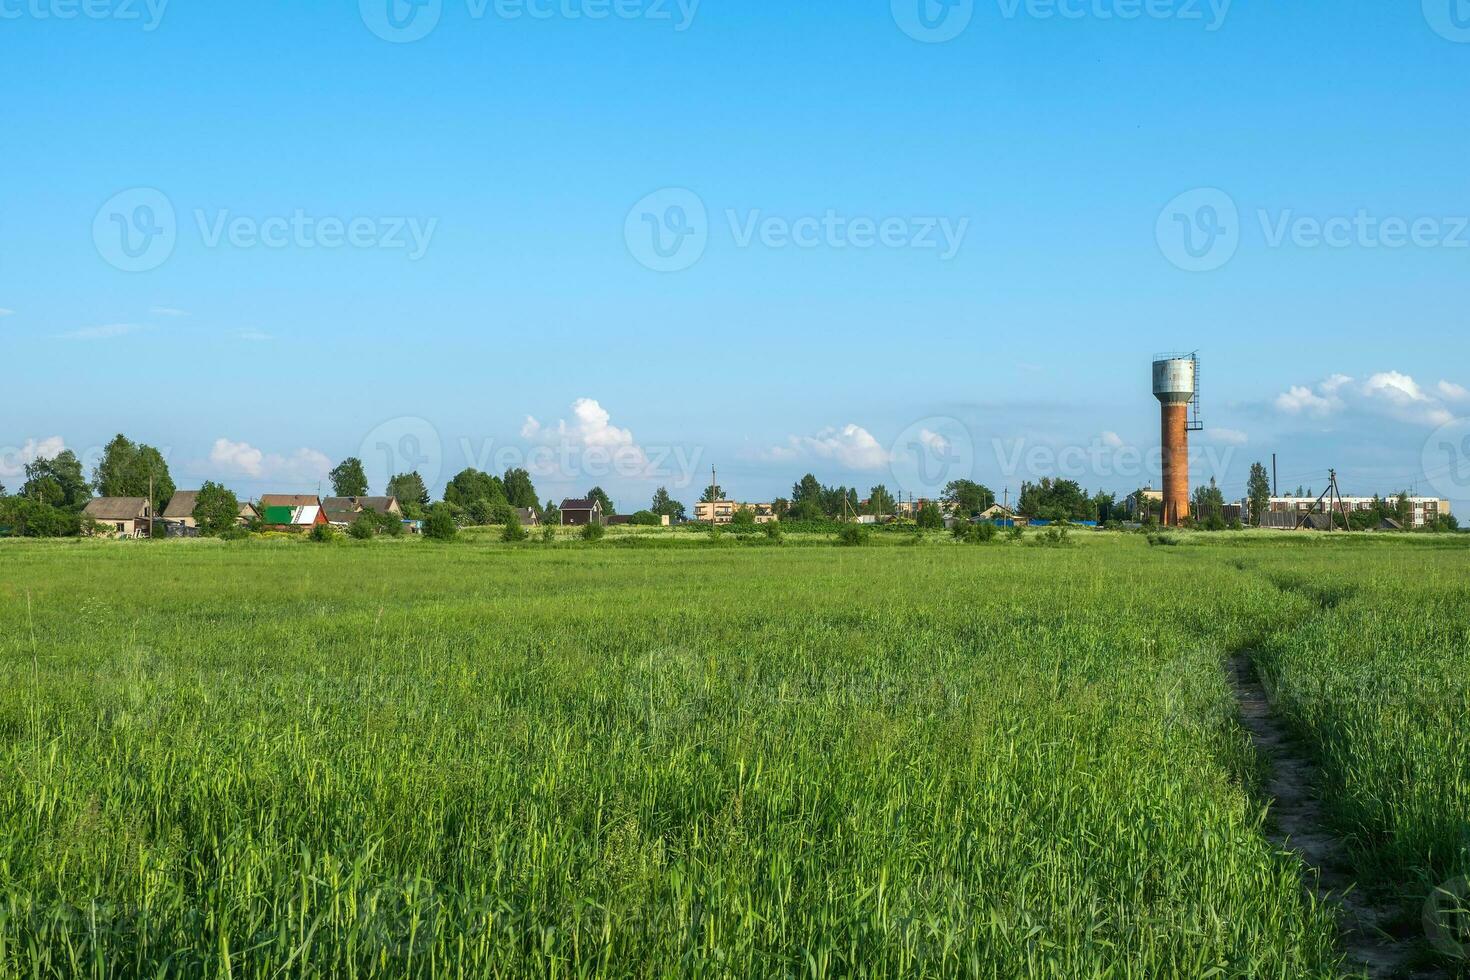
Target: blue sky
[{"x": 871, "y": 238}]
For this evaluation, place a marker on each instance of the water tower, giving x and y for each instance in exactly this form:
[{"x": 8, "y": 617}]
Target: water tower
[{"x": 1176, "y": 386}]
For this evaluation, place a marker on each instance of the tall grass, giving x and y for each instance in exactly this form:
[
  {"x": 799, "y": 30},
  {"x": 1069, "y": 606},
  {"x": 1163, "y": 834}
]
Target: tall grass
[{"x": 268, "y": 760}]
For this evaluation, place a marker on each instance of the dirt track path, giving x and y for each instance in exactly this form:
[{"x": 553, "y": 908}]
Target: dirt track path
[{"x": 1298, "y": 824}]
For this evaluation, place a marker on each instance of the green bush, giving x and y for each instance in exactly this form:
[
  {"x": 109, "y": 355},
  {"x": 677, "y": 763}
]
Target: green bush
[
  {"x": 853, "y": 536},
  {"x": 439, "y": 523},
  {"x": 772, "y": 532},
  {"x": 548, "y": 534},
  {"x": 978, "y": 533},
  {"x": 930, "y": 518},
  {"x": 513, "y": 532},
  {"x": 364, "y": 528},
  {"x": 1056, "y": 536},
  {"x": 1156, "y": 540},
  {"x": 646, "y": 518},
  {"x": 323, "y": 533},
  {"x": 593, "y": 532},
  {"x": 1015, "y": 532}
]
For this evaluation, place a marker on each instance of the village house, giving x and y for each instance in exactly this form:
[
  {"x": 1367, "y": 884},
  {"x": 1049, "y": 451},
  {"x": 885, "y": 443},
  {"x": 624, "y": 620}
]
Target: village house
[
  {"x": 528, "y": 517},
  {"x": 180, "y": 509},
  {"x": 126, "y": 517},
  {"x": 344, "y": 511},
  {"x": 578, "y": 512},
  {"x": 291, "y": 512}
]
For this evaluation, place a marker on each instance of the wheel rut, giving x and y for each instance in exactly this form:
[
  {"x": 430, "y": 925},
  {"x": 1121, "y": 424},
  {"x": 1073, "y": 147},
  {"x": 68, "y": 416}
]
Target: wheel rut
[{"x": 1298, "y": 823}]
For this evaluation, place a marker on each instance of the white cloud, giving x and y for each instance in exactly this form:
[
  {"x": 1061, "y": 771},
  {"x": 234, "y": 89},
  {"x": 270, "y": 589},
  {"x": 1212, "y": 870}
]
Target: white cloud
[
  {"x": 1397, "y": 388},
  {"x": 1299, "y": 399},
  {"x": 167, "y": 311},
  {"x": 934, "y": 442},
  {"x": 105, "y": 332},
  {"x": 255, "y": 336},
  {"x": 851, "y": 446},
  {"x": 243, "y": 459},
  {"x": 1112, "y": 440},
  {"x": 5, "y": 312},
  {"x": 1386, "y": 393},
  {"x": 591, "y": 426},
  {"x": 1231, "y": 437},
  {"x": 13, "y": 459},
  {"x": 1452, "y": 392}
]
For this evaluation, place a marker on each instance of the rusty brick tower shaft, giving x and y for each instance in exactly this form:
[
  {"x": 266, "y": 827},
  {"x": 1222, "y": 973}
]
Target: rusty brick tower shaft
[{"x": 1176, "y": 386}]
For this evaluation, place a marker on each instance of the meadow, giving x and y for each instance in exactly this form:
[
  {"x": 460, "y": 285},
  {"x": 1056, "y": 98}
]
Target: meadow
[{"x": 384, "y": 759}]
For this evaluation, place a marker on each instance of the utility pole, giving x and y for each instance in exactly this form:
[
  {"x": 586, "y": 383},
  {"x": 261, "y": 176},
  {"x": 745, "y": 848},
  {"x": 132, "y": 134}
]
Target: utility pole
[
  {"x": 714, "y": 482},
  {"x": 1275, "y": 489},
  {"x": 150, "y": 505}
]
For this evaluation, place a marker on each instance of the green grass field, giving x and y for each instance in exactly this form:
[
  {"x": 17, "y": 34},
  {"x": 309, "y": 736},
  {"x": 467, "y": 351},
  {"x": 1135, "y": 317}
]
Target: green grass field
[{"x": 383, "y": 759}]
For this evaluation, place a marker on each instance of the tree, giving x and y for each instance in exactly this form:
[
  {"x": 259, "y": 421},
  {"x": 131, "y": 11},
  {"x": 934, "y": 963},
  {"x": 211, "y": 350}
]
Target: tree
[
  {"x": 364, "y": 528},
  {"x": 519, "y": 490},
  {"x": 439, "y": 523},
  {"x": 646, "y": 518},
  {"x": 807, "y": 488},
  {"x": 58, "y": 482},
  {"x": 1209, "y": 506},
  {"x": 1056, "y": 500},
  {"x": 599, "y": 495},
  {"x": 968, "y": 497},
  {"x": 349, "y": 479},
  {"x": 27, "y": 517},
  {"x": 513, "y": 532},
  {"x": 1404, "y": 510},
  {"x": 929, "y": 517},
  {"x": 880, "y": 501},
  {"x": 666, "y": 506},
  {"x": 217, "y": 509},
  {"x": 711, "y": 494},
  {"x": 1105, "y": 505},
  {"x": 1258, "y": 490},
  {"x": 743, "y": 517},
  {"x": 410, "y": 490},
  {"x": 550, "y": 514},
  {"x": 474, "y": 493},
  {"x": 127, "y": 469},
  {"x": 781, "y": 507}
]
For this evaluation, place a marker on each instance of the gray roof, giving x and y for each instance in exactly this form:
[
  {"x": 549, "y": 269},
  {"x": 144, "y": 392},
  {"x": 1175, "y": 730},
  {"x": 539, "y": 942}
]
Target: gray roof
[
  {"x": 378, "y": 505},
  {"x": 577, "y": 503},
  {"x": 181, "y": 505},
  {"x": 117, "y": 508}
]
